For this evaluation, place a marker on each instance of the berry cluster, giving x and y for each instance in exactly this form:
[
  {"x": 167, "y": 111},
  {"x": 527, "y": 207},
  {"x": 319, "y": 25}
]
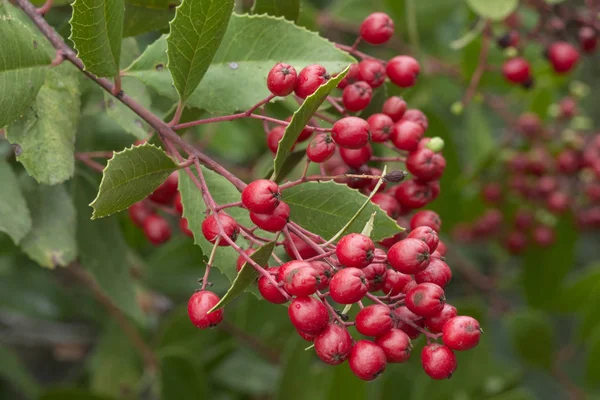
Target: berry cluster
[{"x": 401, "y": 279}]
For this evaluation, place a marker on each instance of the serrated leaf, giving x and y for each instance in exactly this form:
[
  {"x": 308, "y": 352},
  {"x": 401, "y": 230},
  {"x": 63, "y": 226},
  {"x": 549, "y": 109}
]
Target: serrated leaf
[
  {"x": 13, "y": 371},
  {"x": 45, "y": 134},
  {"x": 368, "y": 229},
  {"x": 493, "y": 9},
  {"x": 236, "y": 78},
  {"x": 123, "y": 115},
  {"x": 96, "y": 31},
  {"x": 51, "y": 240},
  {"x": 247, "y": 275},
  {"x": 288, "y": 165},
  {"x": 288, "y": 9},
  {"x": 324, "y": 207},
  {"x": 15, "y": 219},
  {"x": 532, "y": 337},
  {"x": 300, "y": 119},
  {"x": 145, "y": 16},
  {"x": 23, "y": 65},
  {"x": 130, "y": 176},
  {"x": 196, "y": 33}
]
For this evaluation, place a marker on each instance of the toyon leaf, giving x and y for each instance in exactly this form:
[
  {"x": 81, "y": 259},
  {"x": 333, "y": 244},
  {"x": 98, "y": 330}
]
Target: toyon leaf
[
  {"x": 493, "y": 9},
  {"x": 123, "y": 115},
  {"x": 15, "y": 219},
  {"x": 288, "y": 166},
  {"x": 145, "y": 16},
  {"x": 96, "y": 31},
  {"x": 324, "y": 207},
  {"x": 45, "y": 135},
  {"x": 23, "y": 65},
  {"x": 51, "y": 240},
  {"x": 130, "y": 176},
  {"x": 196, "y": 33},
  {"x": 532, "y": 336},
  {"x": 247, "y": 275},
  {"x": 300, "y": 120},
  {"x": 368, "y": 229},
  {"x": 236, "y": 78},
  {"x": 288, "y": 9}
]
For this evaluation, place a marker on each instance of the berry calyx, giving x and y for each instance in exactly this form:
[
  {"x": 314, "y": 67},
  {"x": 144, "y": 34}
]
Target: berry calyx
[
  {"x": 403, "y": 71},
  {"x": 461, "y": 333},
  {"x": 210, "y": 228},
  {"x": 308, "y": 315},
  {"x": 367, "y": 360},
  {"x": 199, "y": 305},
  {"x": 377, "y": 28},
  {"x": 357, "y": 96},
  {"x": 439, "y": 362},
  {"x": 261, "y": 196},
  {"x": 281, "y": 80},
  {"x": 334, "y": 344},
  {"x": 351, "y": 132},
  {"x": 321, "y": 148}
]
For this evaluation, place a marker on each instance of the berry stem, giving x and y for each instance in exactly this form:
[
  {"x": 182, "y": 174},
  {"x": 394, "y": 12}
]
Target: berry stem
[
  {"x": 89, "y": 162},
  {"x": 481, "y": 65},
  {"x": 178, "y": 112},
  {"x": 388, "y": 159},
  {"x": 229, "y": 205},
  {"x": 209, "y": 264},
  {"x": 45, "y": 8},
  {"x": 352, "y": 51},
  {"x": 337, "y": 106}
]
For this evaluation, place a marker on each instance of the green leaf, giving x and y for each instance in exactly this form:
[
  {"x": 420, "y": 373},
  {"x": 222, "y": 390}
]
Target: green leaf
[
  {"x": 368, "y": 229},
  {"x": 324, "y": 207},
  {"x": 15, "y": 219},
  {"x": 123, "y": 115},
  {"x": 96, "y": 31},
  {"x": 493, "y": 9},
  {"x": 300, "y": 119},
  {"x": 290, "y": 163},
  {"x": 45, "y": 134},
  {"x": 236, "y": 78},
  {"x": 72, "y": 394},
  {"x": 103, "y": 250},
  {"x": 574, "y": 295},
  {"x": 532, "y": 336},
  {"x": 145, "y": 16},
  {"x": 182, "y": 379},
  {"x": 23, "y": 65},
  {"x": 592, "y": 373},
  {"x": 247, "y": 275},
  {"x": 590, "y": 314},
  {"x": 196, "y": 33},
  {"x": 288, "y": 9},
  {"x": 51, "y": 240},
  {"x": 130, "y": 176},
  {"x": 259, "y": 376},
  {"x": 13, "y": 371}
]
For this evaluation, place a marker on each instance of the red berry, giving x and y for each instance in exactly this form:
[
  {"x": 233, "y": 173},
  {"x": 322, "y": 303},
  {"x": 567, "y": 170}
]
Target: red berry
[
  {"x": 439, "y": 362},
  {"x": 406, "y": 135},
  {"x": 269, "y": 292},
  {"x": 381, "y": 127},
  {"x": 388, "y": 203},
  {"x": 568, "y": 107},
  {"x": 199, "y": 305},
  {"x": 333, "y": 345},
  {"x": 558, "y": 202},
  {"x": 351, "y": 132},
  {"x": 184, "y": 227},
  {"x": 461, "y": 333},
  {"x": 273, "y": 138},
  {"x": 309, "y": 80},
  {"x": 403, "y": 71},
  {"x": 426, "y": 218},
  {"x": 304, "y": 135},
  {"x": 375, "y": 275},
  {"x": 588, "y": 40},
  {"x": 516, "y": 70},
  {"x": 348, "y": 286},
  {"x": 426, "y": 234},
  {"x": 286, "y": 269},
  {"x": 309, "y": 337},
  {"x": 425, "y": 299},
  {"x": 275, "y": 221},
  {"x": 352, "y": 76},
  {"x": 396, "y": 345},
  {"x": 394, "y": 282},
  {"x": 304, "y": 249},
  {"x": 437, "y": 272},
  {"x": 394, "y": 107},
  {"x": 377, "y": 28},
  {"x": 516, "y": 242},
  {"x": 321, "y": 148},
  {"x": 210, "y": 229},
  {"x": 367, "y": 360},
  {"x": 529, "y": 124},
  {"x": 409, "y": 256},
  {"x": 302, "y": 281},
  {"x": 165, "y": 193},
  {"x": 426, "y": 164},
  {"x": 308, "y": 315},
  {"x": 435, "y": 323},
  {"x": 261, "y": 196},
  {"x": 543, "y": 236},
  {"x": 374, "y": 320},
  {"x": 156, "y": 229},
  {"x": 281, "y": 80},
  {"x": 355, "y": 158},
  {"x": 406, "y": 320},
  {"x": 372, "y": 72},
  {"x": 523, "y": 219},
  {"x": 417, "y": 117},
  {"x": 138, "y": 212},
  {"x": 563, "y": 56},
  {"x": 441, "y": 249},
  {"x": 492, "y": 193},
  {"x": 178, "y": 204},
  {"x": 325, "y": 272},
  {"x": 357, "y": 96},
  {"x": 355, "y": 250},
  {"x": 241, "y": 260}
]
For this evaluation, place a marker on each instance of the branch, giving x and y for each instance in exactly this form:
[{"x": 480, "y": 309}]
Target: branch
[{"x": 481, "y": 65}]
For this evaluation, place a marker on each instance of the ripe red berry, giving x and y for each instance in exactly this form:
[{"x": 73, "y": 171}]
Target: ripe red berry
[
  {"x": 367, "y": 360},
  {"x": 516, "y": 242},
  {"x": 403, "y": 71},
  {"x": 309, "y": 80},
  {"x": 165, "y": 193},
  {"x": 184, "y": 227},
  {"x": 352, "y": 76},
  {"x": 394, "y": 107},
  {"x": 529, "y": 124},
  {"x": 375, "y": 274},
  {"x": 374, "y": 320},
  {"x": 563, "y": 56},
  {"x": 425, "y": 299},
  {"x": 436, "y": 323},
  {"x": 544, "y": 236},
  {"x": 199, "y": 305},
  {"x": 355, "y": 250},
  {"x": 426, "y": 164},
  {"x": 351, "y": 132},
  {"x": 437, "y": 272},
  {"x": 308, "y": 315},
  {"x": 406, "y": 135},
  {"x": 304, "y": 135},
  {"x": 273, "y": 138},
  {"x": 426, "y": 234},
  {"x": 275, "y": 221},
  {"x": 406, "y": 321},
  {"x": 178, "y": 204},
  {"x": 269, "y": 292},
  {"x": 461, "y": 333},
  {"x": 241, "y": 260},
  {"x": 210, "y": 228},
  {"x": 516, "y": 70},
  {"x": 381, "y": 126},
  {"x": 286, "y": 269},
  {"x": 355, "y": 158},
  {"x": 416, "y": 116},
  {"x": 302, "y": 281},
  {"x": 558, "y": 202},
  {"x": 372, "y": 72},
  {"x": 138, "y": 212},
  {"x": 396, "y": 345},
  {"x": 334, "y": 344},
  {"x": 588, "y": 40},
  {"x": 416, "y": 194},
  {"x": 439, "y": 362},
  {"x": 321, "y": 148},
  {"x": 492, "y": 193},
  {"x": 261, "y": 196},
  {"x": 388, "y": 203},
  {"x": 281, "y": 80},
  {"x": 357, "y": 96},
  {"x": 568, "y": 107},
  {"x": 409, "y": 256},
  {"x": 441, "y": 249},
  {"x": 304, "y": 249},
  {"x": 325, "y": 272},
  {"x": 377, "y": 28},
  {"x": 156, "y": 229},
  {"x": 426, "y": 218},
  {"x": 348, "y": 286},
  {"x": 309, "y": 337},
  {"x": 394, "y": 282}
]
